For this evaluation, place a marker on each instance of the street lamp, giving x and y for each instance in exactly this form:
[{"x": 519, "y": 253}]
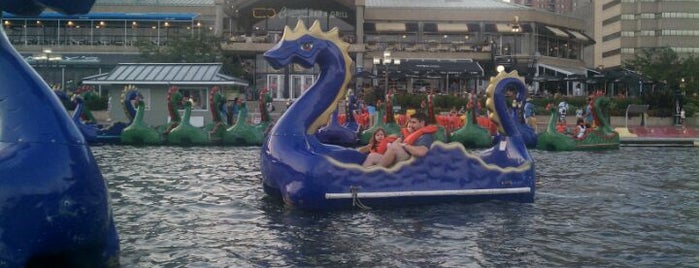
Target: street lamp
[
  {"x": 678, "y": 101},
  {"x": 516, "y": 28},
  {"x": 535, "y": 65},
  {"x": 386, "y": 60}
]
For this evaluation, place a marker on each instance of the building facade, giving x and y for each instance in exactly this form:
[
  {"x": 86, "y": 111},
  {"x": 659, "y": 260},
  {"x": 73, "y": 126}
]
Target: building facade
[
  {"x": 623, "y": 27},
  {"x": 485, "y": 33},
  {"x": 557, "y": 6},
  {"x": 470, "y": 37}
]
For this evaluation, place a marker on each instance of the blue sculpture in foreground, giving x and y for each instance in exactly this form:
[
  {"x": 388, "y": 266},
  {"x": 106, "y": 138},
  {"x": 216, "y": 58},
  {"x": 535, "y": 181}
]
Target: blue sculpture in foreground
[
  {"x": 308, "y": 174},
  {"x": 54, "y": 205}
]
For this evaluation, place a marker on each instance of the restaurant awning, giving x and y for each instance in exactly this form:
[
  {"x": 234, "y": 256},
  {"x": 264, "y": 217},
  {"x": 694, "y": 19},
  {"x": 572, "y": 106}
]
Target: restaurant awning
[
  {"x": 203, "y": 74},
  {"x": 624, "y": 75},
  {"x": 565, "y": 70},
  {"x": 452, "y": 27},
  {"x": 581, "y": 36},
  {"x": 390, "y": 27},
  {"x": 557, "y": 32}
]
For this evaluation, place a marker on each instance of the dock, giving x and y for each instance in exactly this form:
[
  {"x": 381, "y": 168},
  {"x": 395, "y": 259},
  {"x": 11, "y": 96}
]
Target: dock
[
  {"x": 658, "y": 142},
  {"x": 668, "y": 136}
]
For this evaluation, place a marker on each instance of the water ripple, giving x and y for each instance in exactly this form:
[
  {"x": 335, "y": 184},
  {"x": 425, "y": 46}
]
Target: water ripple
[{"x": 204, "y": 207}]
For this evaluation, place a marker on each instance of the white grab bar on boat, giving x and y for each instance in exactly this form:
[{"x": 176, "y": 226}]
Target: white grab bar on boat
[{"x": 491, "y": 191}]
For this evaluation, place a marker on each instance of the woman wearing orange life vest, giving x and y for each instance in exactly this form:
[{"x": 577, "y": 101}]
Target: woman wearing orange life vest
[{"x": 416, "y": 140}]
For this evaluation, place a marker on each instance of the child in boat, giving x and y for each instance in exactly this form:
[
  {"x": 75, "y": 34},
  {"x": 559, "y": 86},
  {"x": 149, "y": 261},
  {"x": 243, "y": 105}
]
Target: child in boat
[
  {"x": 376, "y": 141},
  {"x": 580, "y": 132},
  {"x": 377, "y": 147},
  {"x": 416, "y": 141}
]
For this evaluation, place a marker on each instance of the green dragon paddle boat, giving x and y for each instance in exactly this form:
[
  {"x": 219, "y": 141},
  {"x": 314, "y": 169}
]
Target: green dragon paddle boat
[
  {"x": 600, "y": 137},
  {"x": 441, "y": 134},
  {"x": 185, "y": 133},
  {"x": 139, "y": 133},
  {"x": 174, "y": 100},
  {"x": 472, "y": 135},
  {"x": 217, "y": 104},
  {"x": 245, "y": 134},
  {"x": 390, "y": 126}
]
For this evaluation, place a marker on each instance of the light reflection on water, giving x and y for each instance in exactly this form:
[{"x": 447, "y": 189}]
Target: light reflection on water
[{"x": 204, "y": 207}]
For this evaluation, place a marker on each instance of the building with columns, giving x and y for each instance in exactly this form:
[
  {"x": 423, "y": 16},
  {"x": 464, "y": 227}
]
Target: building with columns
[
  {"x": 438, "y": 43},
  {"x": 462, "y": 40}
]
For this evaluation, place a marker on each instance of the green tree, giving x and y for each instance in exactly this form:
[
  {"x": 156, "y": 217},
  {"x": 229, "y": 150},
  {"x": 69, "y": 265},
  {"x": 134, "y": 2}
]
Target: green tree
[
  {"x": 665, "y": 66},
  {"x": 690, "y": 73},
  {"x": 192, "y": 50},
  {"x": 662, "y": 64}
]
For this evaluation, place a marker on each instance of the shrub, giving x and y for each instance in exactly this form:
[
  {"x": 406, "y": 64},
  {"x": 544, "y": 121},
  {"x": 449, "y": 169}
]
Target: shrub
[
  {"x": 660, "y": 103},
  {"x": 97, "y": 103},
  {"x": 690, "y": 109}
]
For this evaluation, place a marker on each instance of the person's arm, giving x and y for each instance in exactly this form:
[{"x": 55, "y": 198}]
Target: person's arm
[
  {"x": 364, "y": 149},
  {"x": 415, "y": 150}
]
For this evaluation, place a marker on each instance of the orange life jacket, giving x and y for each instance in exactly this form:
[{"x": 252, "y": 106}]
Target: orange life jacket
[
  {"x": 383, "y": 145},
  {"x": 410, "y": 138},
  {"x": 561, "y": 127}
]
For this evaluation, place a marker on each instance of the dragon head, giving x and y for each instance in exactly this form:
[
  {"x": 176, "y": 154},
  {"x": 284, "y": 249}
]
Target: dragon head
[
  {"x": 497, "y": 101},
  {"x": 129, "y": 98},
  {"x": 303, "y": 45}
]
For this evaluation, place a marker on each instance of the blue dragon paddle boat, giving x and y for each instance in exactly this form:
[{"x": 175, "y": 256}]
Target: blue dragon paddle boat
[
  {"x": 346, "y": 134},
  {"x": 55, "y": 208},
  {"x": 93, "y": 132},
  {"x": 334, "y": 133},
  {"x": 307, "y": 174},
  {"x": 89, "y": 131},
  {"x": 352, "y": 107}
]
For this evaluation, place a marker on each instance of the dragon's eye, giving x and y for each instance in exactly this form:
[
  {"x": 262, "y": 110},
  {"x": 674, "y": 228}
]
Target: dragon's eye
[{"x": 307, "y": 46}]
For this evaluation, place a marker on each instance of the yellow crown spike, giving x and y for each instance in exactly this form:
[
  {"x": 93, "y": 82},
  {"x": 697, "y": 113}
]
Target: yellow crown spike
[{"x": 315, "y": 28}]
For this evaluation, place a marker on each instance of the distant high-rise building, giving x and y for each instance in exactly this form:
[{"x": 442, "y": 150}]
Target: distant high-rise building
[
  {"x": 623, "y": 28},
  {"x": 557, "y": 6}
]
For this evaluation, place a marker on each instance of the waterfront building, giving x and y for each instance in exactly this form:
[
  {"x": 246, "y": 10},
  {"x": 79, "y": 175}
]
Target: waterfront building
[
  {"x": 469, "y": 35},
  {"x": 623, "y": 28},
  {"x": 438, "y": 44},
  {"x": 557, "y": 6}
]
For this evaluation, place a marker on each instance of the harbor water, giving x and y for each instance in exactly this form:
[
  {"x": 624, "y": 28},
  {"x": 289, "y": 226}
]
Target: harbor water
[{"x": 204, "y": 207}]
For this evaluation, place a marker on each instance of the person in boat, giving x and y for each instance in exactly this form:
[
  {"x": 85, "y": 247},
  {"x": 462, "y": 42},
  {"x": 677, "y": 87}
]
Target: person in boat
[
  {"x": 581, "y": 128},
  {"x": 378, "y": 144},
  {"x": 371, "y": 109},
  {"x": 232, "y": 111},
  {"x": 375, "y": 142},
  {"x": 529, "y": 116},
  {"x": 415, "y": 141},
  {"x": 588, "y": 111}
]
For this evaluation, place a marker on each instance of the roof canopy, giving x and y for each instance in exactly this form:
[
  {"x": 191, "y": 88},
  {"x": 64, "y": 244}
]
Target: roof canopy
[
  {"x": 203, "y": 74},
  {"x": 109, "y": 16},
  {"x": 436, "y": 67}
]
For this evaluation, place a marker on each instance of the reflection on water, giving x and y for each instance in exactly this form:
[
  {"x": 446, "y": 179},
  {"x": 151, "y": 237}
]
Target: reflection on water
[{"x": 204, "y": 207}]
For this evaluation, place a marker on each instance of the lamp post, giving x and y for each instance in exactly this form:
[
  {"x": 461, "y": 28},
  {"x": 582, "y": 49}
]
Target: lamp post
[
  {"x": 386, "y": 60},
  {"x": 678, "y": 101},
  {"x": 516, "y": 30},
  {"x": 535, "y": 65}
]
